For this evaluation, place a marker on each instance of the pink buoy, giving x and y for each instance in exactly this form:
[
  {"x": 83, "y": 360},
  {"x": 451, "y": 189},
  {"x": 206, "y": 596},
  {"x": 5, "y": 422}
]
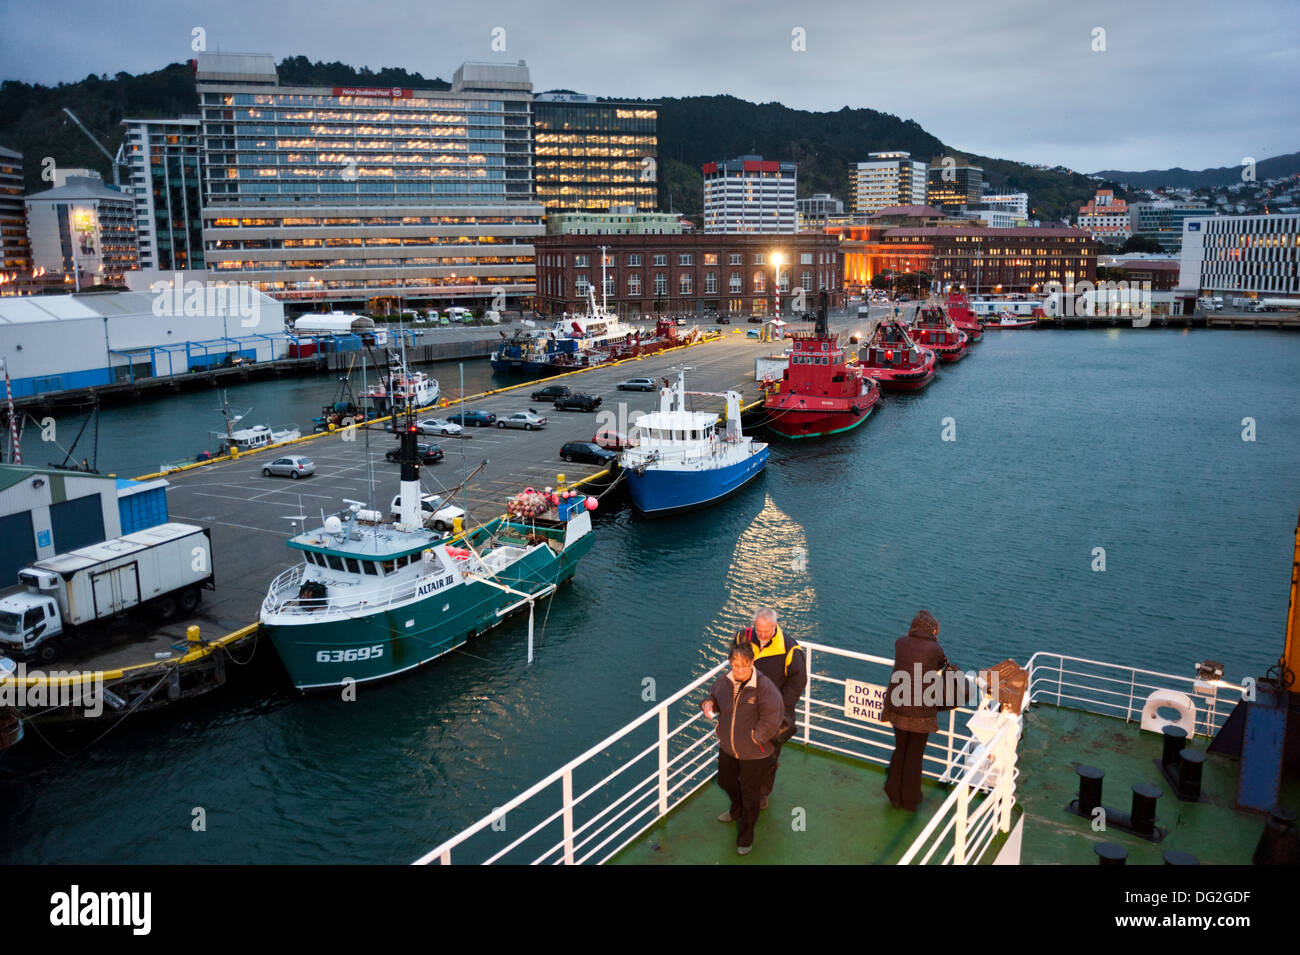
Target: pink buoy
[
  {"x": 529, "y": 490},
  {"x": 592, "y": 503}
]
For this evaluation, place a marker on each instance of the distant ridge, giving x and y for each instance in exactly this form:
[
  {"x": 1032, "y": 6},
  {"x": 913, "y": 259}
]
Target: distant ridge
[{"x": 1278, "y": 167}]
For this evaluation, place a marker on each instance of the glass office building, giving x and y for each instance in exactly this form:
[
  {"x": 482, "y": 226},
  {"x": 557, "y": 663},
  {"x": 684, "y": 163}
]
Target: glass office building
[{"x": 590, "y": 154}]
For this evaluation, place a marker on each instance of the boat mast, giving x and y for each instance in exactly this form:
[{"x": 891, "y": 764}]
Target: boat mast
[{"x": 603, "y": 300}]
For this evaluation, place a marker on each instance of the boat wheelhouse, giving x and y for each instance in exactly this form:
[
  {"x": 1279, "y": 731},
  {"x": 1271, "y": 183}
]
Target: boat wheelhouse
[
  {"x": 893, "y": 359},
  {"x": 933, "y": 329},
  {"x": 683, "y": 462},
  {"x": 957, "y": 305}
]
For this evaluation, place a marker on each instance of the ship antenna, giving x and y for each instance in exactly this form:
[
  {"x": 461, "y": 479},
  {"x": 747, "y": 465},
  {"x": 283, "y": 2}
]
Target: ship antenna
[{"x": 603, "y": 285}]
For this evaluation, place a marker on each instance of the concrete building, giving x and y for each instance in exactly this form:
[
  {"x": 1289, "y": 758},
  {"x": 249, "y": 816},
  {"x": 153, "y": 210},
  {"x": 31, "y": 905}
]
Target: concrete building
[
  {"x": 818, "y": 211},
  {"x": 1106, "y": 217},
  {"x": 749, "y": 194},
  {"x": 351, "y": 194},
  {"x": 954, "y": 188},
  {"x": 618, "y": 220},
  {"x": 1246, "y": 256},
  {"x": 15, "y": 251},
  {"x": 996, "y": 218},
  {"x": 590, "y": 154},
  {"x": 732, "y": 274},
  {"x": 59, "y": 342},
  {"x": 1162, "y": 221},
  {"x": 887, "y": 179},
  {"x": 83, "y": 230},
  {"x": 163, "y": 156},
  {"x": 1162, "y": 274},
  {"x": 1017, "y": 202}
]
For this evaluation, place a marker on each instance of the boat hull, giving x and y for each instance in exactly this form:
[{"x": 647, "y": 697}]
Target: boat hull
[
  {"x": 659, "y": 491},
  {"x": 320, "y": 655},
  {"x": 799, "y": 422}
]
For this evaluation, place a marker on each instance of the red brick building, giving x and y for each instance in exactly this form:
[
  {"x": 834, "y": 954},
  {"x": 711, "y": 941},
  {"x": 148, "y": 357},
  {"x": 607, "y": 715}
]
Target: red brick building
[
  {"x": 652, "y": 274},
  {"x": 981, "y": 259}
]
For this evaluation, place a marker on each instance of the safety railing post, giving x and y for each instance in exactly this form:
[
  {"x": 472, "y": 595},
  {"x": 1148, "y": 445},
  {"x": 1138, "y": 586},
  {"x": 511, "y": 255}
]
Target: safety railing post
[
  {"x": 959, "y": 830},
  {"x": 566, "y": 787},
  {"x": 663, "y": 760},
  {"x": 807, "y": 695}
]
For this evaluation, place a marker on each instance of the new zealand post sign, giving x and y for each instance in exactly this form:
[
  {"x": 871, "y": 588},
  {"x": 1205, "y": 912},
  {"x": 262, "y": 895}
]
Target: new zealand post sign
[{"x": 863, "y": 701}]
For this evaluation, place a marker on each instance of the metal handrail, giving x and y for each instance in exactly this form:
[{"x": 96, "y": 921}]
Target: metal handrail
[
  {"x": 633, "y": 802},
  {"x": 278, "y": 599}
]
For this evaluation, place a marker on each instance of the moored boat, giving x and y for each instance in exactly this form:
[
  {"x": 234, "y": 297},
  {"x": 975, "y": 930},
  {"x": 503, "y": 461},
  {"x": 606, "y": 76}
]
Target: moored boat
[
  {"x": 818, "y": 393},
  {"x": 250, "y": 437},
  {"x": 935, "y": 331},
  {"x": 957, "y": 305},
  {"x": 373, "y": 598},
  {"x": 1008, "y": 322},
  {"x": 681, "y": 462},
  {"x": 893, "y": 359}
]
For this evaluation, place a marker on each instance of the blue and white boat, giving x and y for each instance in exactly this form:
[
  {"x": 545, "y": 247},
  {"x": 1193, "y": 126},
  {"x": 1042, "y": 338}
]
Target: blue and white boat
[{"x": 682, "y": 462}]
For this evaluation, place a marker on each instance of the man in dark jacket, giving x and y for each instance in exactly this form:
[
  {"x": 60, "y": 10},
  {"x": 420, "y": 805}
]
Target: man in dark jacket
[
  {"x": 780, "y": 659},
  {"x": 748, "y": 709},
  {"x": 915, "y": 655}
]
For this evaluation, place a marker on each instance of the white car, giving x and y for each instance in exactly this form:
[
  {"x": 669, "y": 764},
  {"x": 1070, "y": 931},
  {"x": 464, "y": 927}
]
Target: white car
[
  {"x": 437, "y": 512},
  {"x": 438, "y": 426}
]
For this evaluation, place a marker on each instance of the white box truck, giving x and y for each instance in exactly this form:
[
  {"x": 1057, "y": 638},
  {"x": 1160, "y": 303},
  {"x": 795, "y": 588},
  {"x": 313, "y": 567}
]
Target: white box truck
[{"x": 162, "y": 568}]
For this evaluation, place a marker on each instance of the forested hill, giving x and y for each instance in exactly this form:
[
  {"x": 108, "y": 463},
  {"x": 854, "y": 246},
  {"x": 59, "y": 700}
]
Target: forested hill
[{"x": 692, "y": 131}]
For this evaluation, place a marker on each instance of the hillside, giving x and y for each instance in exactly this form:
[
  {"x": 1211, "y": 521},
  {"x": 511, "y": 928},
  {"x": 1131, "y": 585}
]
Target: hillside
[
  {"x": 692, "y": 131},
  {"x": 1278, "y": 167}
]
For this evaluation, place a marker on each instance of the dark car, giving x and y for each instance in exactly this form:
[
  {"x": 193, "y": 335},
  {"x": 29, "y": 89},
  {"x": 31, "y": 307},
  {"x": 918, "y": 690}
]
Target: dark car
[
  {"x": 723, "y": 320},
  {"x": 577, "y": 403},
  {"x": 755, "y": 319},
  {"x": 551, "y": 392},
  {"x": 427, "y": 453},
  {"x": 476, "y": 419},
  {"x": 587, "y": 452}
]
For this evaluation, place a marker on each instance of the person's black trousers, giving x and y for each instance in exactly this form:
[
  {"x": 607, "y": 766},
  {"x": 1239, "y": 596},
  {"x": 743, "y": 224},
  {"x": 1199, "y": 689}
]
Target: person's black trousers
[
  {"x": 903, "y": 787},
  {"x": 769, "y": 776},
  {"x": 742, "y": 780}
]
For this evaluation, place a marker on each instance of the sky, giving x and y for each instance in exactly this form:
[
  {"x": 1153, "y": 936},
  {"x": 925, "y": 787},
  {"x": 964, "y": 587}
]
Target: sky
[{"x": 1106, "y": 84}]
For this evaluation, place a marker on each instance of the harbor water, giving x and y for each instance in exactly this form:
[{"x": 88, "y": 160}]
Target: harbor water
[{"x": 1119, "y": 495}]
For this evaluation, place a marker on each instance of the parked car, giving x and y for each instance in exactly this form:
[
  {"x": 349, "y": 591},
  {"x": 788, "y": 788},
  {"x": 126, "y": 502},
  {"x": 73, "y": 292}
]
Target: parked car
[
  {"x": 588, "y": 452},
  {"x": 438, "y": 426},
  {"x": 638, "y": 384},
  {"x": 752, "y": 333},
  {"x": 723, "y": 320},
  {"x": 477, "y": 419},
  {"x": 551, "y": 392},
  {"x": 528, "y": 420},
  {"x": 293, "y": 465},
  {"x": 427, "y": 453},
  {"x": 577, "y": 402},
  {"x": 437, "y": 512},
  {"x": 613, "y": 440},
  {"x": 755, "y": 319},
  {"x": 681, "y": 323}
]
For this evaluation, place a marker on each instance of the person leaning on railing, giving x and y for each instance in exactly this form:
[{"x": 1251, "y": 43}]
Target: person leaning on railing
[{"x": 913, "y": 712}]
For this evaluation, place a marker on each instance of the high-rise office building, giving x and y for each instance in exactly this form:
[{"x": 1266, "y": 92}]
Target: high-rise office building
[
  {"x": 887, "y": 179},
  {"x": 1256, "y": 255},
  {"x": 590, "y": 154},
  {"x": 750, "y": 195},
  {"x": 1162, "y": 221},
  {"x": 15, "y": 252},
  {"x": 354, "y": 193},
  {"x": 952, "y": 187},
  {"x": 163, "y": 156},
  {"x": 84, "y": 230}
]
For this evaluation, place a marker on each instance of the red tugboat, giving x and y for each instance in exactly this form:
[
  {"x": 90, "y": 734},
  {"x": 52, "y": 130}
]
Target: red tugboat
[
  {"x": 819, "y": 393},
  {"x": 894, "y": 360},
  {"x": 933, "y": 330},
  {"x": 958, "y": 308}
]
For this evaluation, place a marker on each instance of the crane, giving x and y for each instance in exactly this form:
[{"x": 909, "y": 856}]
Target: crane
[{"x": 115, "y": 161}]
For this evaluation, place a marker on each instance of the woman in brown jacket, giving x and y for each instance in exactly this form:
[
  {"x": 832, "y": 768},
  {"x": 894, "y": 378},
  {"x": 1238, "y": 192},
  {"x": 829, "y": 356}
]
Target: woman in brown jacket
[{"x": 915, "y": 655}]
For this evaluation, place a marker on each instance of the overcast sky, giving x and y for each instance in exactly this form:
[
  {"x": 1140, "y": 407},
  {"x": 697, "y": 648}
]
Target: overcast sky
[{"x": 1188, "y": 83}]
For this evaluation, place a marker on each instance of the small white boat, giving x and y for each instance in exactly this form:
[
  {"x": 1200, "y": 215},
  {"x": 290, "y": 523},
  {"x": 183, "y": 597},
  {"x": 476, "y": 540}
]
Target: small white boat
[
  {"x": 250, "y": 438},
  {"x": 1008, "y": 321}
]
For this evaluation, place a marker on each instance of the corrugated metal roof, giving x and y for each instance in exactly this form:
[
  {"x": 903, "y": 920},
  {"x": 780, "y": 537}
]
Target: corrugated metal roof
[{"x": 11, "y": 474}]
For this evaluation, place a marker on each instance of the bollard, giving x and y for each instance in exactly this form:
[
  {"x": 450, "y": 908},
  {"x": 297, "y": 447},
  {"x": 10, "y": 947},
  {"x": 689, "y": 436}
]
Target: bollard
[
  {"x": 1110, "y": 853},
  {"x": 192, "y": 636},
  {"x": 1090, "y": 779},
  {"x": 1176, "y": 857},
  {"x": 1144, "y": 808},
  {"x": 1190, "y": 764},
  {"x": 1279, "y": 843},
  {"x": 1175, "y": 743}
]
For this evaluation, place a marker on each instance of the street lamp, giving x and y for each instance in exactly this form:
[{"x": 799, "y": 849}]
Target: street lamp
[{"x": 777, "y": 260}]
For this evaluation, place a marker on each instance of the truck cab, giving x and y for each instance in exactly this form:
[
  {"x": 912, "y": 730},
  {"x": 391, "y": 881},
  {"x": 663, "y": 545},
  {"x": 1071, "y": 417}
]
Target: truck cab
[{"x": 29, "y": 622}]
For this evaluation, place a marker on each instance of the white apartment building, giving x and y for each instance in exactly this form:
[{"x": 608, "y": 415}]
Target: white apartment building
[
  {"x": 887, "y": 179},
  {"x": 749, "y": 194},
  {"x": 1017, "y": 202}
]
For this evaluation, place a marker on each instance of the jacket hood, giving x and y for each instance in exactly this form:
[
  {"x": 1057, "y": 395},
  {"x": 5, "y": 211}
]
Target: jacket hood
[{"x": 924, "y": 626}]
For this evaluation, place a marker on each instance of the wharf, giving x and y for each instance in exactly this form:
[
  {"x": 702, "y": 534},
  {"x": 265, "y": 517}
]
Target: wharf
[{"x": 252, "y": 516}]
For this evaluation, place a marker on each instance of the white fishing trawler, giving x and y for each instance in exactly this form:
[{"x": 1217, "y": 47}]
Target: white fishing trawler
[{"x": 251, "y": 437}]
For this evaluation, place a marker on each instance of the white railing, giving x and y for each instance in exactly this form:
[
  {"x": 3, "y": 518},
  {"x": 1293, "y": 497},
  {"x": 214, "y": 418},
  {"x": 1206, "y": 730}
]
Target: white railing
[
  {"x": 1120, "y": 691},
  {"x": 599, "y": 802},
  {"x": 282, "y": 596}
]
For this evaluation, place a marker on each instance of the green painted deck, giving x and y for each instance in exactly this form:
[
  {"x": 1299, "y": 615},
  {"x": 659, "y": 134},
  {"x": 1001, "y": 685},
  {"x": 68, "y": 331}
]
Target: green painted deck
[
  {"x": 847, "y": 820},
  {"x": 1055, "y": 741}
]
